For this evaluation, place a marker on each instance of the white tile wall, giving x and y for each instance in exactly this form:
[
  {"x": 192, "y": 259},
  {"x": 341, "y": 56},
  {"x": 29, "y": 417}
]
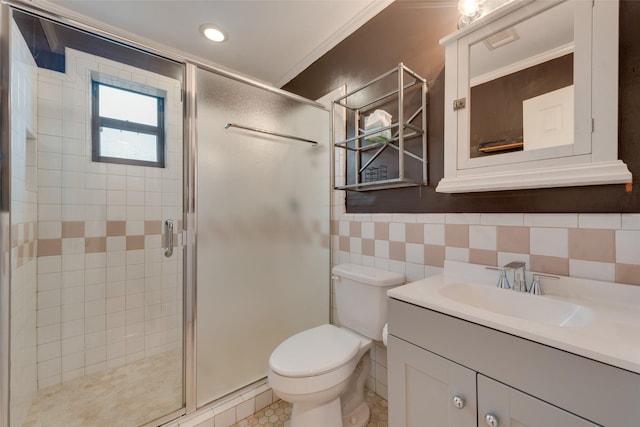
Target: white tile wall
[
  {"x": 397, "y": 232},
  {"x": 501, "y": 219},
  {"x": 101, "y": 310},
  {"x": 592, "y": 270},
  {"x": 549, "y": 241},
  {"x": 630, "y": 221},
  {"x": 368, "y": 230},
  {"x": 415, "y": 253},
  {"x": 628, "y": 247},
  {"x": 465, "y": 218},
  {"x": 482, "y": 237},
  {"x": 434, "y": 234},
  {"x": 604, "y": 221},
  {"x": 457, "y": 254},
  {"x": 551, "y": 220}
]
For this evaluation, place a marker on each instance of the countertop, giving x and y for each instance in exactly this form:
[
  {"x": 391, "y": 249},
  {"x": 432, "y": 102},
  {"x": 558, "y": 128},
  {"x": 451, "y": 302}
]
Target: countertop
[{"x": 610, "y": 334}]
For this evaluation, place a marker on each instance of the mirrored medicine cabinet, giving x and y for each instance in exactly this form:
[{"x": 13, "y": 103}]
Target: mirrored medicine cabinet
[{"x": 531, "y": 98}]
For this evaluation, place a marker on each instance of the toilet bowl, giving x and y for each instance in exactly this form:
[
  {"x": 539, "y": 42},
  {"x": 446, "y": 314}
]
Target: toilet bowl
[
  {"x": 322, "y": 371},
  {"x": 313, "y": 369}
]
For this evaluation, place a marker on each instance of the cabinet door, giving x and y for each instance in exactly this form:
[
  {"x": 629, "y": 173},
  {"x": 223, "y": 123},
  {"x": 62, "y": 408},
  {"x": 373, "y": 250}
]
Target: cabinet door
[
  {"x": 512, "y": 408},
  {"x": 422, "y": 388}
]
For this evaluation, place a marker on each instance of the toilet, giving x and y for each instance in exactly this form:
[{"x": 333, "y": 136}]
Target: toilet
[{"x": 322, "y": 371}]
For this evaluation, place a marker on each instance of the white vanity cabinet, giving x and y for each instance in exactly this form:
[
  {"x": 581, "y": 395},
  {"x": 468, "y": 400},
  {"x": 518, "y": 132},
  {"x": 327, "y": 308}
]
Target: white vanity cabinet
[
  {"x": 434, "y": 357},
  {"x": 426, "y": 389},
  {"x": 514, "y": 117},
  {"x": 503, "y": 406}
]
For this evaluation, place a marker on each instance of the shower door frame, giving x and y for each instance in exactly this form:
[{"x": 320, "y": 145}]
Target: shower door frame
[{"x": 5, "y": 211}]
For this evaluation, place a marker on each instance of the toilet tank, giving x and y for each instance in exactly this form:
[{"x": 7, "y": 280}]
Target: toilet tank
[{"x": 361, "y": 297}]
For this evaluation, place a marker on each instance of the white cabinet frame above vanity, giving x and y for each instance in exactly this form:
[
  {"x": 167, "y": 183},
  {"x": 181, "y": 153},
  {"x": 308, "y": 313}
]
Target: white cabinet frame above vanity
[{"x": 592, "y": 158}]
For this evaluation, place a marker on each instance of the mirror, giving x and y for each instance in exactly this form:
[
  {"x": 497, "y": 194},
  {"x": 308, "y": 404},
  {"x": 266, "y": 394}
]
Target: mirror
[
  {"x": 521, "y": 85},
  {"x": 531, "y": 98}
]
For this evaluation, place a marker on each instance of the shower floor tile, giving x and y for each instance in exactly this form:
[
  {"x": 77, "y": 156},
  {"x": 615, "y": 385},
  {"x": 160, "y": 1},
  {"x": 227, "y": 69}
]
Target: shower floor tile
[
  {"x": 125, "y": 396},
  {"x": 276, "y": 414}
]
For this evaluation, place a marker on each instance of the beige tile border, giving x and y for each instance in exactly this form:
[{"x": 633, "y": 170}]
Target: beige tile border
[
  {"x": 344, "y": 243},
  {"x": 513, "y": 239},
  {"x": 397, "y": 251},
  {"x": 136, "y": 242},
  {"x": 73, "y": 229},
  {"x": 381, "y": 231},
  {"x": 592, "y": 244},
  {"x": 549, "y": 264},
  {"x": 456, "y": 235},
  {"x": 335, "y": 226},
  {"x": 95, "y": 244},
  {"x": 152, "y": 227},
  {"x": 483, "y": 257},
  {"x": 49, "y": 247},
  {"x": 355, "y": 229},
  {"x": 627, "y": 273},
  {"x": 116, "y": 228},
  {"x": 434, "y": 255},
  {"x": 24, "y": 242},
  {"x": 414, "y": 233},
  {"x": 368, "y": 247}
]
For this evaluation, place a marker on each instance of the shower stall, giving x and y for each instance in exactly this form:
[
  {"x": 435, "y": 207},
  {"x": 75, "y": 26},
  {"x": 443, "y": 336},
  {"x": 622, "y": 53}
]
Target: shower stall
[{"x": 165, "y": 225}]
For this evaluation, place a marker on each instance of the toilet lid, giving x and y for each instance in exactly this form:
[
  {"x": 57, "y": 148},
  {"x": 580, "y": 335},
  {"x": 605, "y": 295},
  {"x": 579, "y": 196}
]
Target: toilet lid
[{"x": 314, "y": 352}]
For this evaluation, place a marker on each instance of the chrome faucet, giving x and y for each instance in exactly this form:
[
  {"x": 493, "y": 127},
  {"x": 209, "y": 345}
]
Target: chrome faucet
[
  {"x": 519, "y": 275},
  {"x": 535, "y": 288},
  {"x": 519, "y": 283},
  {"x": 503, "y": 281}
]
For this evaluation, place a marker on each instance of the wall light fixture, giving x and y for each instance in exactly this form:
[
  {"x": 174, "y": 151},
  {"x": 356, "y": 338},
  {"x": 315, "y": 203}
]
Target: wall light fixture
[{"x": 472, "y": 10}]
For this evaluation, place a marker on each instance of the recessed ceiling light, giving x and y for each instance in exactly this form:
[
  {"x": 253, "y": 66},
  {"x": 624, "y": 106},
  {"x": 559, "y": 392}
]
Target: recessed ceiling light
[{"x": 213, "y": 33}]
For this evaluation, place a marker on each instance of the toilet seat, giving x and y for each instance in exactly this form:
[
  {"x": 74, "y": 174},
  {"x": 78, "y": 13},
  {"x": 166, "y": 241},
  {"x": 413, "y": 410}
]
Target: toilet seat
[{"x": 313, "y": 352}]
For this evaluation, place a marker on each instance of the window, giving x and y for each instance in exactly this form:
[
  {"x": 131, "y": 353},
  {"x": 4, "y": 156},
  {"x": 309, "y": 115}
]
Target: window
[{"x": 127, "y": 122}]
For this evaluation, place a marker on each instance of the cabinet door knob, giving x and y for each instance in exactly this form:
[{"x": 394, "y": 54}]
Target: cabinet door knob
[
  {"x": 458, "y": 401},
  {"x": 491, "y": 420}
]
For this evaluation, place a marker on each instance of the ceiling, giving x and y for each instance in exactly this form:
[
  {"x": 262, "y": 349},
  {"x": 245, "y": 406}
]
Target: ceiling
[{"x": 268, "y": 40}]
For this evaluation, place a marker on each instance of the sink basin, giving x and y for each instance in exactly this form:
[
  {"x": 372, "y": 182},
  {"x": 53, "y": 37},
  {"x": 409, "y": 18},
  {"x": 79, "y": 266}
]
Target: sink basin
[{"x": 519, "y": 305}]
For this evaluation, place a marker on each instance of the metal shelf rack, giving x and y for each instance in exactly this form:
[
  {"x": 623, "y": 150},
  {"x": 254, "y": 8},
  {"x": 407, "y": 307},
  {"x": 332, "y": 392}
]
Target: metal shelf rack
[{"x": 355, "y": 105}]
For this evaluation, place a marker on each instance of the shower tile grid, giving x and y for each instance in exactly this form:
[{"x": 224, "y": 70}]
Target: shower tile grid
[
  {"x": 279, "y": 412},
  {"x": 117, "y": 303}
]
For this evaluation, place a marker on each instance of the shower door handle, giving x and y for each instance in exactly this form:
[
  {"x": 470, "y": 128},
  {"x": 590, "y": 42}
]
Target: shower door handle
[{"x": 168, "y": 238}]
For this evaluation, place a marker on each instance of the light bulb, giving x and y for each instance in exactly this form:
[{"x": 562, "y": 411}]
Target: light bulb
[
  {"x": 212, "y": 33},
  {"x": 470, "y": 8}
]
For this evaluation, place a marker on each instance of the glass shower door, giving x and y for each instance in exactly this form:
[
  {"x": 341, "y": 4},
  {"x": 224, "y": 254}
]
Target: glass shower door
[
  {"x": 96, "y": 308},
  {"x": 262, "y": 229}
]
